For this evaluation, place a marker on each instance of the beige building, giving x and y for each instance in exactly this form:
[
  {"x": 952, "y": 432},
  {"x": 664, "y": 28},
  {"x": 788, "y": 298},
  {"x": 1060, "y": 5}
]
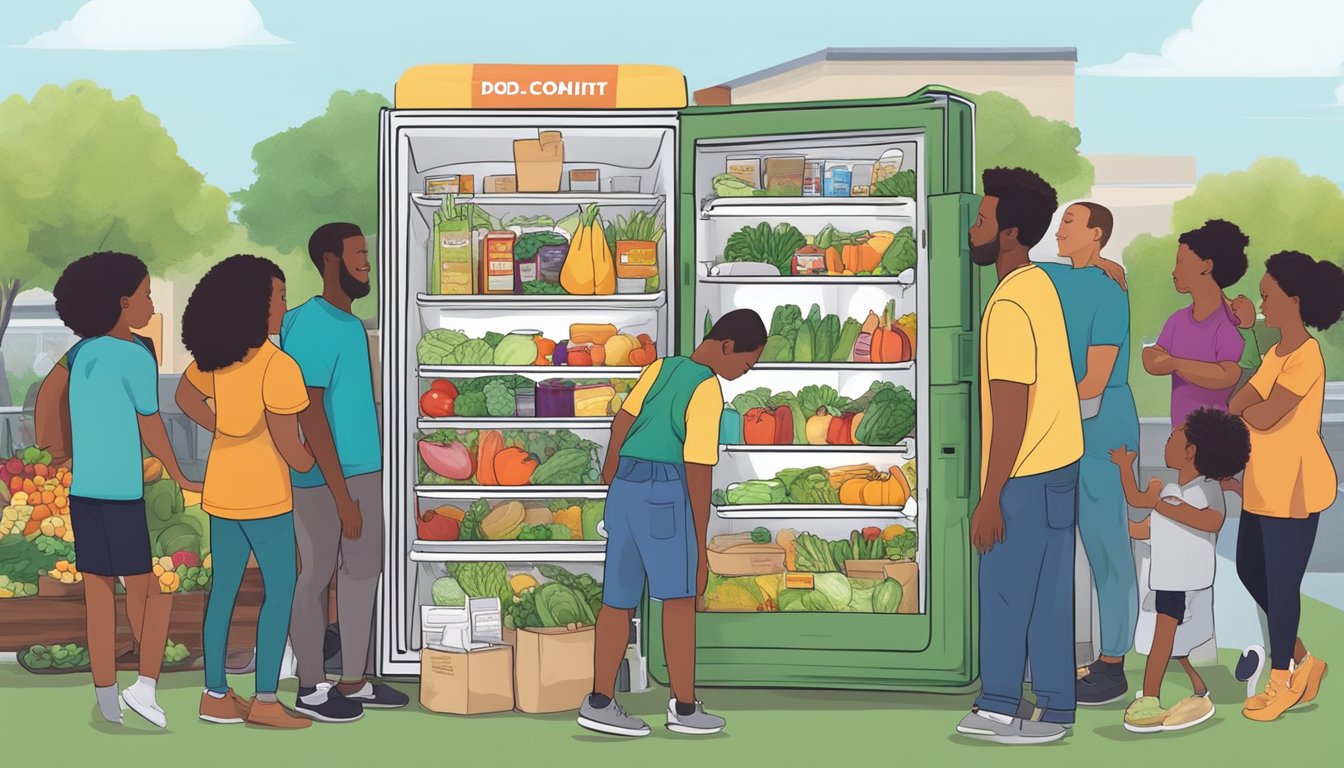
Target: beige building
[
  {"x": 1041, "y": 78},
  {"x": 1140, "y": 190}
]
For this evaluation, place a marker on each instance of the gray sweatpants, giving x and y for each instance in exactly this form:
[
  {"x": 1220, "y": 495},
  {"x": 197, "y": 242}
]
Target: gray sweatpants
[{"x": 322, "y": 549}]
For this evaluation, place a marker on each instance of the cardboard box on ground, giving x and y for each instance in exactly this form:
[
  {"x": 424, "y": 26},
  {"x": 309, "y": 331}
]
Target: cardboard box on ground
[
  {"x": 553, "y": 668},
  {"x": 467, "y": 683}
]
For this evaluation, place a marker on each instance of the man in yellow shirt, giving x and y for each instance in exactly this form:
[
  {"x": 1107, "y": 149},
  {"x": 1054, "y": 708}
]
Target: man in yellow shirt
[{"x": 1032, "y": 433}]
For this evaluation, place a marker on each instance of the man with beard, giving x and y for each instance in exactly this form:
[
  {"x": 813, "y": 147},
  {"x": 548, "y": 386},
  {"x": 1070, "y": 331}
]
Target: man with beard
[
  {"x": 1032, "y": 433},
  {"x": 338, "y": 515}
]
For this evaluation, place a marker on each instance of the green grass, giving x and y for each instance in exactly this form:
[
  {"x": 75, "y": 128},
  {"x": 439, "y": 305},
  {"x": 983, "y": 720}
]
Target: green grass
[{"x": 53, "y": 721}]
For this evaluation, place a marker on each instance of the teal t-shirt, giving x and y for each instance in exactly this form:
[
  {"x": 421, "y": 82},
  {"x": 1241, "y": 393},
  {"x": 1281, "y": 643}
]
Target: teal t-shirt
[
  {"x": 332, "y": 350},
  {"x": 1096, "y": 314},
  {"x": 660, "y": 428},
  {"x": 112, "y": 384}
]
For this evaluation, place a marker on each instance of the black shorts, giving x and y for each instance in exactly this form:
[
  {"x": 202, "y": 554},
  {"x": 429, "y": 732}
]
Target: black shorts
[
  {"x": 111, "y": 537},
  {"x": 1166, "y": 603}
]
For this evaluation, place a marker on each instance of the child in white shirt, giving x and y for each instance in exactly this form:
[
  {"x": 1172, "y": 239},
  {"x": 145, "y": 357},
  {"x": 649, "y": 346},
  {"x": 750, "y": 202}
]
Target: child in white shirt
[{"x": 1183, "y": 530}]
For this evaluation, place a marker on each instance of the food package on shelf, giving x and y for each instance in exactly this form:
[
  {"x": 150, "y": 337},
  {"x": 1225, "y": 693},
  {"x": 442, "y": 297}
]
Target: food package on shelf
[
  {"x": 539, "y": 162},
  {"x": 467, "y": 683},
  {"x": 553, "y": 668},
  {"x": 742, "y": 555}
]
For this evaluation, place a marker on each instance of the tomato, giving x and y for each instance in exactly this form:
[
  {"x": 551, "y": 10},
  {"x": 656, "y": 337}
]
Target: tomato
[
  {"x": 445, "y": 386},
  {"x": 436, "y": 404}
]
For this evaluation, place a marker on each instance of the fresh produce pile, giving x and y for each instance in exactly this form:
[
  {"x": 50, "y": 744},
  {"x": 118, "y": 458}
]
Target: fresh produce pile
[
  {"x": 861, "y": 253},
  {"x": 806, "y": 553},
  {"x": 498, "y": 397},
  {"x": 819, "y": 338},
  {"x": 564, "y": 599},
  {"x": 587, "y": 345},
  {"x": 183, "y": 572},
  {"x": 819, "y": 415},
  {"x": 11, "y": 588},
  {"x": 557, "y": 520},
  {"x": 829, "y": 593},
  {"x": 36, "y": 497},
  {"x": 900, "y": 184},
  {"x": 175, "y": 653},
  {"x": 64, "y": 572},
  {"x": 853, "y": 485},
  {"x": 56, "y": 657},
  {"x": 492, "y": 457}
]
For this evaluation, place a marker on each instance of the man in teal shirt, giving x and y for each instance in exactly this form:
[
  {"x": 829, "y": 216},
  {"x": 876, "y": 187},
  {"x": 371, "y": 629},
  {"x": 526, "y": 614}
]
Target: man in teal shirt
[{"x": 338, "y": 514}]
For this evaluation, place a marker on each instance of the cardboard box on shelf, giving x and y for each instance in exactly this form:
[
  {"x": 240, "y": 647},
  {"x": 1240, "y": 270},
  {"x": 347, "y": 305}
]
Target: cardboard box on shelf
[
  {"x": 467, "y": 683},
  {"x": 553, "y": 668}
]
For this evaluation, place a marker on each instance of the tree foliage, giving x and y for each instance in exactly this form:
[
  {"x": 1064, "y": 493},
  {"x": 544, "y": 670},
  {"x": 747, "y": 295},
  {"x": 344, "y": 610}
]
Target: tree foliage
[
  {"x": 1008, "y": 134},
  {"x": 1279, "y": 208}
]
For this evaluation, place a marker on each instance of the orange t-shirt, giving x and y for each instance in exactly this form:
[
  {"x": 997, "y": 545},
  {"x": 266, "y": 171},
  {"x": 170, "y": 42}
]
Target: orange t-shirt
[{"x": 1290, "y": 473}]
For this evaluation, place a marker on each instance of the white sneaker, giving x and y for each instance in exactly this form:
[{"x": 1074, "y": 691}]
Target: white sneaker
[{"x": 142, "y": 702}]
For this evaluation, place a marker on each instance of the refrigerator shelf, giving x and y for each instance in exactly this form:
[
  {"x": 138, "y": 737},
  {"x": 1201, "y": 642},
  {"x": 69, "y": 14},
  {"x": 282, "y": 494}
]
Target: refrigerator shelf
[
  {"x": 904, "y": 280},
  {"x": 810, "y": 512},
  {"x": 478, "y": 302},
  {"x": 508, "y": 552},
  {"x": 529, "y": 492},
  {"x": 835, "y": 367},
  {"x": 531, "y": 371},
  {"x": 517, "y": 422},
  {"x": 772, "y": 207},
  {"x": 904, "y": 448},
  {"x": 541, "y": 199}
]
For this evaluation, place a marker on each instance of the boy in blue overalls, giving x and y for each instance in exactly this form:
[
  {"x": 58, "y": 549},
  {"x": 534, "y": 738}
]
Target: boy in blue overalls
[{"x": 659, "y": 466}]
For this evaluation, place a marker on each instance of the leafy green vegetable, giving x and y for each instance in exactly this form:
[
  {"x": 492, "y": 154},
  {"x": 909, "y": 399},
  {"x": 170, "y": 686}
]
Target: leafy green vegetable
[
  {"x": 860, "y": 596},
  {"x": 529, "y": 244},
  {"x": 542, "y": 287},
  {"x": 522, "y": 613},
  {"x": 888, "y": 419},
  {"x": 813, "y": 555},
  {"x": 560, "y": 606},
  {"x": 728, "y": 185},
  {"x": 516, "y": 349},
  {"x": 471, "y": 352},
  {"x": 568, "y": 466},
  {"x": 592, "y": 513},
  {"x": 887, "y": 596},
  {"x": 560, "y": 532},
  {"x": 585, "y": 585},
  {"x": 901, "y": 254},
  {"x": 500, "y": 400},
  {"x": 484, "y": 580},
  {"x": 786, "y": 320},
  {"x": 814, "y": 397},
  {"x": 813, "y": 486},
  {"x": 447, "y": 592},
  {"x": 761, "y": 536},
  {"x": 470, "y": 530},
  {"x": 754, "y": 398},
  {"x": 436, "y": 345},
  {"x": 902, "y": 547},
  {"x": 756, "y": 492},
  {"x": 535, "y": 533},
  {"x": 763, "y": 244},
  {"x": 470, "y": 405},
  {"x": 901, "y": 184}
]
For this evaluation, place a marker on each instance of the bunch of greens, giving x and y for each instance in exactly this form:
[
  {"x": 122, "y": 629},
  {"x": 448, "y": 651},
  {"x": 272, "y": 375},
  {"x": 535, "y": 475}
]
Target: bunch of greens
[
  {"x": 642, "y": 225},
  {"x": 565, "y": 599},
  {"x": 901, "y": 184},
  {"x": 470, "y": 530},
  {"x": 542, "y": 287},
  {"x": 762, "y": 244},
  {"x": 484, "y": 580},
  {"x": 901, "y": 254},
  {"x": 902, "y": 547}
]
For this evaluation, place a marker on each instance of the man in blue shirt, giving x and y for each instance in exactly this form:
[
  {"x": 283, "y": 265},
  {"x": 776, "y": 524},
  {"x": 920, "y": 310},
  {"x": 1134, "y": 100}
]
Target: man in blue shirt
[{"x": 338, "y": 514}]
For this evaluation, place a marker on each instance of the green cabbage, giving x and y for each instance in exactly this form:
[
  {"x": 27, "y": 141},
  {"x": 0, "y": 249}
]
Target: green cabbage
[
  {"x": 484, "y": 580},
  {"x": 435, "y": 345},
  {"x": 516, "y": 349},
  {"x": 887, "y": 596},
  {"x": 560, "y": 606},
  {"x": 471, "y": 352},
  {"x": 447, "y": 592},
  {"x": 813, "y": 486},
  {"x": 833, "y": 589},
  {"x": 861, "y": 596},
  {"x": 500, "y": 400}
]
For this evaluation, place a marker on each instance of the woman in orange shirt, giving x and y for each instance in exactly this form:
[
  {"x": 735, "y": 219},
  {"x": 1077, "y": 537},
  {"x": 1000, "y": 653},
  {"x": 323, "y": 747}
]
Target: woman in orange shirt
[{"x": 1290, "y": 478}]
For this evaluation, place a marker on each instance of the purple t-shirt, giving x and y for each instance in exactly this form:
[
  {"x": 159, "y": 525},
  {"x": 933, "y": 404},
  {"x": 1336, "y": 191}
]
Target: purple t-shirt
[{"x": 1215, "y": 339}]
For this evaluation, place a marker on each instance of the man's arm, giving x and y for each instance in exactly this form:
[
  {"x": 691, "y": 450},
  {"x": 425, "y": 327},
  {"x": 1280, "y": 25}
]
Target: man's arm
[
  {"x": 1008, "y": 401},
  {"x": 1207, "y": 520},
  {"x": 52, "y": 415},
  {"x": 155, "y": 438},
  {"x": 317, "y": 432},
  {"x": 1266, "y": 414},
  {"x": 194, "y": 404},
  {"x": 1100, "y": 363}
]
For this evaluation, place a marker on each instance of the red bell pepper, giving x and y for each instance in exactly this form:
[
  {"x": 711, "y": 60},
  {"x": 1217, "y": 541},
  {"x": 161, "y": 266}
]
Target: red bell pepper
[
  {"x": 431, "y": 526},
  {"x": 783, "y": 426},
  {"x": 758, "y": 427}
]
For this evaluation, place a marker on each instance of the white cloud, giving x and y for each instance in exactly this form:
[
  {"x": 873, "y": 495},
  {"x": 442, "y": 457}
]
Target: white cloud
[
  {"x": 159, "y": 25},
  {"x": 1246, "y": 38},
  {"x": 1339, "y": 95}
]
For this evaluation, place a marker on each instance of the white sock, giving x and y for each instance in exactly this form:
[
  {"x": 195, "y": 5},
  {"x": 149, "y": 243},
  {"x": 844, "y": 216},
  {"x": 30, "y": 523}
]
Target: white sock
[
  {"x": 148, "y": 683},
  {"x": 215, "y": 695},
  {"x": 109, "y": 703}
]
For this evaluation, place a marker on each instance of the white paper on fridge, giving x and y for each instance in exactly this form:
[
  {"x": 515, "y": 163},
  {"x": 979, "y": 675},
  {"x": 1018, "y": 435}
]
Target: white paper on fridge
[{"x": 476, "y": 626}]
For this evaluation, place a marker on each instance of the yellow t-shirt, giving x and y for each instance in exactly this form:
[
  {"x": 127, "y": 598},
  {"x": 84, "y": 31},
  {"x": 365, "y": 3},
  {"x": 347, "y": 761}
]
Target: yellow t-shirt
[
  {"x": 1022, "y": 340},
  {"x": 245, "y": 476},
  {"x": 703, "y": 413},
  {"x": 1290, "y": 473}
]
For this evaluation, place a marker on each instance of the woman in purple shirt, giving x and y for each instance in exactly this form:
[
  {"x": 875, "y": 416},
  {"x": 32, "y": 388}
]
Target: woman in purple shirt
[{"x": 1201, "y": 345}]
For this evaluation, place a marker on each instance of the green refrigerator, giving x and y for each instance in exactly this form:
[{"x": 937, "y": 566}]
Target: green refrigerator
[{"x": 838, "y": 550}]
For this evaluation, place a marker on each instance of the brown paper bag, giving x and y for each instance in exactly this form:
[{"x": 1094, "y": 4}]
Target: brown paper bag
[
  {"x": 553, "y": 669},
  {"x": 475, "y": 683},
  {"x": 907, "y": 573}
]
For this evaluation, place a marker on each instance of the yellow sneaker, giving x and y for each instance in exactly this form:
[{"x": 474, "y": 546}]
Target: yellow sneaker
[
  {"x": 1314, "y": 670},
  {"x": 1278, "y": 697}
]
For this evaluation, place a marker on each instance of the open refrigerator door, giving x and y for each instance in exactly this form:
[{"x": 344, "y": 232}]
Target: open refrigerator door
[{"x": 527, "y": 260}]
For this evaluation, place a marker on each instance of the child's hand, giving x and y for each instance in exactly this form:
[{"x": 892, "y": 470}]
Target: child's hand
[
  {"x": 1123, "y": 457},
  {"x": 1154, "y": 487}
]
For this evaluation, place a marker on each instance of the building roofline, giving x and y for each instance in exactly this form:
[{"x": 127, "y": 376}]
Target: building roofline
[{"x": 907, "y": 54}]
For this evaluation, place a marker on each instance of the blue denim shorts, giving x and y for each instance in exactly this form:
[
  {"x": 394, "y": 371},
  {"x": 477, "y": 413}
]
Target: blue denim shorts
[{"x": 650, "y": 534}]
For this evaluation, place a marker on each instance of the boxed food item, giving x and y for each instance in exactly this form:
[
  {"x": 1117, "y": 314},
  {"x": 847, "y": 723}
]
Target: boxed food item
[
  {"x": 497, "y": 272},
  {"x": 450, "y": 184},
  {"x": 585, "y": 180},
  {"x": 451, "y": 256},
  {"x": 814, "y": 173},
  {"x": 746, "y": 168},
  {"x": 624, "y": 185},
  {"x": 467, "y": 682},
  {"x": 839, "y": 176},
  {"x": 784, "y": 175},
  {"x": 866, "y": 569},
  {"x": 501, "y": 185},
  {"x": 539, "y": 163},
  {"x": 738, "y": 555},
  {"x": 553, "y": 668}
]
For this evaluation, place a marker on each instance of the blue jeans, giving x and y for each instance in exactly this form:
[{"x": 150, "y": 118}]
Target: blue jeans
[
  {"x": 271, "y": 539},
  {"x": 650, "y": 534},
  {"x": 1026, "y": 598}
]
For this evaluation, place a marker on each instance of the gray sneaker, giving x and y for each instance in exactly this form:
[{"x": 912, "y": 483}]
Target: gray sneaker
[
  {"x": 611, "y": 720},
  {"x": 1017, "y": 731},
  {"x": 698, "y": 723},
  {"x": 1028, "y": 711}
]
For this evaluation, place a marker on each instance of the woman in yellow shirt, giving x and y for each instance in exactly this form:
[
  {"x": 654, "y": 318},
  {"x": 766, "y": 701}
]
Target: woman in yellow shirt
[
  {"x": 1290, "y": 478},
  {"x": 257, "y": 392}
]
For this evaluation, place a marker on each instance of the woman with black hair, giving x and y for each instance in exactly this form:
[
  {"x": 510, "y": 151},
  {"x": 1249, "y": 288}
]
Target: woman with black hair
[
  {"x": 113, "y": 406},
  {"x": 1290, "y": 478},
  {"x": 258, "y": 393}
]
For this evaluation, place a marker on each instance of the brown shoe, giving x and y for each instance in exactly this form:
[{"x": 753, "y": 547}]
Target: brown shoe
[
  {"x": 272, "y": 714},
  {"x": 232, "y": 708}
]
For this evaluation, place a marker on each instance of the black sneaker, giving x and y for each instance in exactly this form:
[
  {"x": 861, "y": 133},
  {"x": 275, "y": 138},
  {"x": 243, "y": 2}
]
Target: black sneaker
[
  {"x": 379, "y": 696},
  {"x": 326, "y": 705},
  {"x": 1104, "y": 683}
]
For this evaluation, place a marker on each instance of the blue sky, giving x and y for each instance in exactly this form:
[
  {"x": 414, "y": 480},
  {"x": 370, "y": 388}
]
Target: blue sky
[{"x": 218, "y": 103}]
